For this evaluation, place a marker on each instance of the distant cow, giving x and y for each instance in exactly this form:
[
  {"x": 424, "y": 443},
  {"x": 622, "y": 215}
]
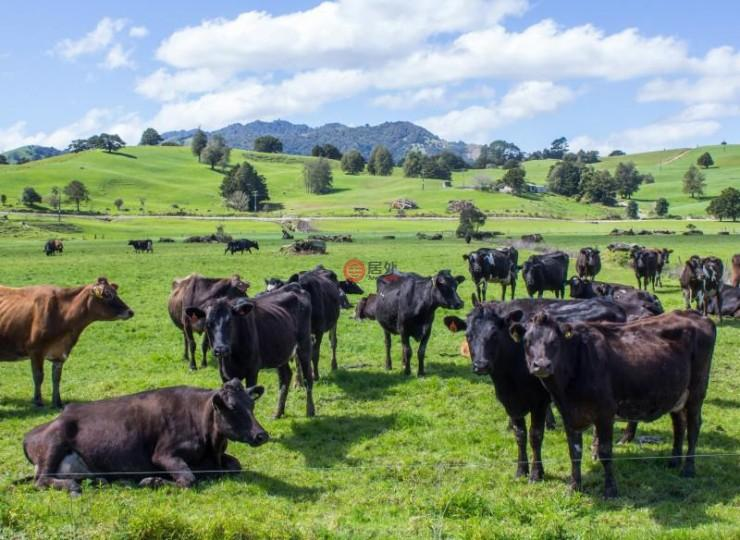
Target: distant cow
[
  {"x": 52, "y": 247},
  {"x": 494, "y": 266},
  {"x": 405, "y": 305},
  {"x": 548, "y": 272},
  {"x": 730, "y": 302},
  {"x": 735, "y": 281},
  {"x": 178, "y": 431},
  {"x": 241, "y": 246},
  {"x": 645, "y": 265},
  {"x": 711, "y": 284},
  {"x": 636, "y": 303},
  {"x": 663, "y": 259},
  {"x": 691, "y": 280},
  {"x": 198, "y": 291},
  {"x": 494, "y": 352},
  {"x": 639, "y": 371},
  {"x": 248, "y": 335},
  {"x": 366, "y": 307},
  {"x": 532, "y": 238},
  {"x": 142, "y": 246},
  {"x": 45, "y": 322},
  {"x": 588, "y": 263}
]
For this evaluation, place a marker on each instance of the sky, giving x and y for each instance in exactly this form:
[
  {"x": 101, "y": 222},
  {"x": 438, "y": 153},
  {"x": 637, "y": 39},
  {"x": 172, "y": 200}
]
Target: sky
[{"x": 633, "y": 75}]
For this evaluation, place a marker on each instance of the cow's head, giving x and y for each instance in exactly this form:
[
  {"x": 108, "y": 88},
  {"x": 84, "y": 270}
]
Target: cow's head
[
  {"x": 666, "y": 255},
  {"x": 350, "y": 287},
  {"x": 105, "y": 304},
  {"x": 239, "y": 284},
  {"x": 546, "y": 343},
  {"x": 444, "y": 290},
  {"x": 694, "y": 267},
  {"x": 592, "y": 256},
  {"x": 221, "y": 319},
  {"x": 273, "y": 283},
  {"x": 578, "y": 287},
  {"x": 475, "y": 262},
  {"x": 234, "y": 418},
  {"x": 533, "y": 272},
  {"x": 256, "y": 245}
]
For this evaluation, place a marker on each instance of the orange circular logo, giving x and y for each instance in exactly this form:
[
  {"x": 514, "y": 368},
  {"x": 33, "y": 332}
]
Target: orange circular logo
[{"x": 354, "y": 270}]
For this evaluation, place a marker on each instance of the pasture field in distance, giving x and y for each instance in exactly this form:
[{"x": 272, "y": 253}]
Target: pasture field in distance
[{"x": 387, "y": 456}]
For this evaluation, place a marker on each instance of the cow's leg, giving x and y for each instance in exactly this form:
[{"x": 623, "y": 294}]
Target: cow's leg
[
  {"x": 48, "y": 465},
  {"x": 204, "y": 347},
  {"x": 513, "y": 287},
  {"x": 575, "y": 449},
  {"x": 388, "y": 362},
  {"x": 298, "y": 375},
  {"x": 719, "y": 304},
  {"x": 304, "y": 357},
  {"x": 536, "y": 436},
  {"x": 693, "y": 424},
  {"x": 605, "y": 432},
  {"x": 550, "y": 422},
  {"x": 333, "y": 341},
  {"x": 176, "y": 467},
  {"x": 421, "y": 352},
  {"x": 185, "y": 345},
  {"x": 56, "y": 379},
  {"x": 519, "y": 425},
  {"x": 285, "y": 374},
  {"x": 628, "y": 435},
  {"x": 406, "y": 353},
  {"x": 316, "y": 351},
  {"x": 191, "y": 345},
  {"x": 37, "y": 368},
  {"x": 679, "y": 430}
]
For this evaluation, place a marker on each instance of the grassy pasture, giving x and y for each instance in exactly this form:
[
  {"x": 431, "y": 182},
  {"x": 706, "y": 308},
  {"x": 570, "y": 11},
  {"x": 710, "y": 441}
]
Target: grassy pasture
[{"x": 387, "y": 456}]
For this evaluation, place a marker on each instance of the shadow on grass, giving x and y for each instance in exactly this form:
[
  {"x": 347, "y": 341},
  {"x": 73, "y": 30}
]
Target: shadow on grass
[
  {"x": 273, "y": 486},
  {"x": 15, "y": 408},
  {"x": 325, "y": 441},
  {"x": 724, "y": 403},
  {"x": 123, "y": 154}
]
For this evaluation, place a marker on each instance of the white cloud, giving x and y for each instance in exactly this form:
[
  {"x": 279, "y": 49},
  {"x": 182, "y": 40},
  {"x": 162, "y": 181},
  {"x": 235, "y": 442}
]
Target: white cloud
[
  {"x": 412, "y": 98},
  {"x": 477, "y": 123},
  {"x": 725, "y": 87},
  {"x": 163, "y": 85},
  {"x": 118, "y": 58},
  {"x": 94, "y": 41},
  {"x": 138, "y": 31}
]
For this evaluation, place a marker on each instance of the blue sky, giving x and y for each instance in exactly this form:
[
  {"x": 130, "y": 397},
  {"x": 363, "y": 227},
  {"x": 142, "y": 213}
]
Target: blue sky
[{"x": 633, "y": 75}]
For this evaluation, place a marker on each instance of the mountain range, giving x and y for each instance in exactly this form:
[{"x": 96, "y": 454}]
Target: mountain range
[{"x": 30, "y": 152}]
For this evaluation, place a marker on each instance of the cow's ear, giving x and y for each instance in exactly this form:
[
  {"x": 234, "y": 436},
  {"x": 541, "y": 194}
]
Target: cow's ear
[
  {"x": 567, "y": 331},
  {"x": 293, "y": 278},
  {"x": 474, "y": 299},
  {"x": 515, "y": 316},
  {"x": 596, "y": 250},
  {"x": 218, "y": 402},
  {"x": 516, "y": 331},
  {"x": 459, "y": 279},
  {"x": 242, "y": 307},
  {"x": 255, "y": 392},
  {"x": 114, "y": 285},
  {"x": 455, "y": 324},
  {"x": 466, "y": 257},
  {"x": 195, "y": 314}
]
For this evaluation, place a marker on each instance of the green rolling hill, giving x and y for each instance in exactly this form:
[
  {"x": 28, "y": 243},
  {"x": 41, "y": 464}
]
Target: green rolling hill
[{"x": 171, "y": 180}]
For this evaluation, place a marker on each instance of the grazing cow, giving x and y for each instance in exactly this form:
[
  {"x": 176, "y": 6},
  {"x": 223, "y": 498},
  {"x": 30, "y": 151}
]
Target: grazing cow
[
  {"x": 639, "y": 371},
  {"x": 494, "y": 352},
  {"x": 178, "y": 431},
  {"x": 248, "y": 335},
  {"x": 405, "y": 305},
  {"x": 241, "y": 246},
  {"x": 197, "y": 291},
  {"x": 645, "y": 264},
  {"x": 588, "y": 263},
  {"x": 735, "y": 281},
  {"x": 636, "y": 303},
  {"x": 45, "y": 322},
  {"x": 548, "y": 272},
  {"x": 712, "y": 270},
  {"x": 730, "y": 302},
  {"x": 663, "y": 259},
  {"x": 53, "y": 246},
  {"x": 494, "y": 266},
  {"x": 366, "y": 307},
  {"x": 145, "y": 246}
]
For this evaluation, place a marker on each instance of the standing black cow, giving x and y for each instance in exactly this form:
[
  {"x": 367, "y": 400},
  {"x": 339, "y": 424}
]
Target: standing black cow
[
  {"x": 639, "y": 371},
  {"x": 178, "y": 431},
  {"x": 494, "y": 266},
  {"x": 548, "y": 272},
  {"x": 588, "y": 263},
  {"x": 494, "y": 352},
  {"x": 241, "y": 246},
  {"x": 52, "y": 247},
  {"x": 145, "y": 246},
  {"x": 405, "y": 305},
  {"x": 664, "y": 256},
  {"x": 712, "y": 269},
  {"x": 645, "y": 264},
  {"x": 265, "y": 332}
]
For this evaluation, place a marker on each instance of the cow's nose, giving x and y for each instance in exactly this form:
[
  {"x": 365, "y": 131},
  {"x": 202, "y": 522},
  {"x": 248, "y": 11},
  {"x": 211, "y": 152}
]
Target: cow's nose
[
  {"x": 221, "y": 350},
  {"x": 128, "y": 314},
  {"x": 542, "y": 367},
  {"x": 261, "y": 437}
]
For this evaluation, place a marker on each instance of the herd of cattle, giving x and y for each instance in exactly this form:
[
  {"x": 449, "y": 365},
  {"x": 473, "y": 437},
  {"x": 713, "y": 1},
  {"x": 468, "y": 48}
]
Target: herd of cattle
[{"x": 609, "y": 352}]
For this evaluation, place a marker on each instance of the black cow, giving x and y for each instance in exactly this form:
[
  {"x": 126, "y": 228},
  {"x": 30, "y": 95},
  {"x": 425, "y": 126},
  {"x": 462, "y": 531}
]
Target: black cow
[
  {"x": 730, "y": 302},
  {"x": 265, "y": 332},
  {"x": 405, "y": 305},
  {"x": 639, "y": 370},
  {"x": 145, "y": 246},
  {"x": 366, "y": 307},
  {"x": 241, "y": 246},
  {"x": 588, "y": 263},
  {"x": 548, "y": 272},
  {"x": 52, "y": 247},
  {"x": 178, "y": 431},
  {"x": 494, "y": 352},
  {"x": 494, "y": 266},
  {"x": 636, "y": 303},
  {"x": 691, "y": 280},
  {"x": 645, "y": 264},
  {"x": 711, "y": 284},
  {"x": 664, "y": 256}
]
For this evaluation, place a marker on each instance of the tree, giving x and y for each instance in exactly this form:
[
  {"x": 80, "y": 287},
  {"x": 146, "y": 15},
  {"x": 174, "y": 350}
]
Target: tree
[
  {"x": 514, "y": 179},
  {"x": 661, "y": 207},
  {"x": 412, "y": 164},
  {"x": 726, "y": 205},
  {"x": 328, "y": 151},
  {"x": 633, "y": 210},
  {"x": 118, "y": 203},
  {"x": 564, "y": 178},
  {"x": 587, "y": 156},
  {"x": 353, "y": 162},
  {"x": 3, "y": 199},
  {"x": 432, "y": 167},
  {"x": 77, "y": 191},
  {"x": 78, "y": 145},
  {"x": 694, "y": 182},
  {"x": 380, "y": 162},
  {"x": 150, "y": 137},
  {"x": 471, "y": 219},
  {"x": 238, "y": 201},
  {"x": 54, "y": 200},
  {"x": 598, "y": 186},
  {"x": 317, "y": 176},
  {"x": 269, "y": 144},
  {"x": 614, "y": 153},
  {"x": 216, "y": 152},
  {"x": 3, "y": 159},
  {"x": 628, "y": 179},
  {"x": 108, "y": 142},
  {"x": 451, "y": 161},
  {"x": 497, "y": 153},
  {"x": 558, "y": 148},
  {"x": 198, "y": 143},
  {"x": 30, "y": 196},
  {"x": 245, "y": 178},
  {"x": 705, "y": 160}
]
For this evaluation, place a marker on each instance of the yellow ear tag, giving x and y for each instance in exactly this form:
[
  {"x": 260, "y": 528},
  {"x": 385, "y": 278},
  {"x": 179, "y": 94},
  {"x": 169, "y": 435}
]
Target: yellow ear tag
[
  {"x": 568, "y": 334},
  {"x": 98, "y": 292}
]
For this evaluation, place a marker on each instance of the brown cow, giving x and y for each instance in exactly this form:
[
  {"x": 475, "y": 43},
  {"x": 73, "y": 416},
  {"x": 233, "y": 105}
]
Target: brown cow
[
  {"x": 198, "y": 291},
  {"x": 45, "y": 321},
  {"x": 735, "y": 270}
]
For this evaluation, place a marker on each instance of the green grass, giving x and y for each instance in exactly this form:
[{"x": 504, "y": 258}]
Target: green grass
[{"x": 387, "y": 456}]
